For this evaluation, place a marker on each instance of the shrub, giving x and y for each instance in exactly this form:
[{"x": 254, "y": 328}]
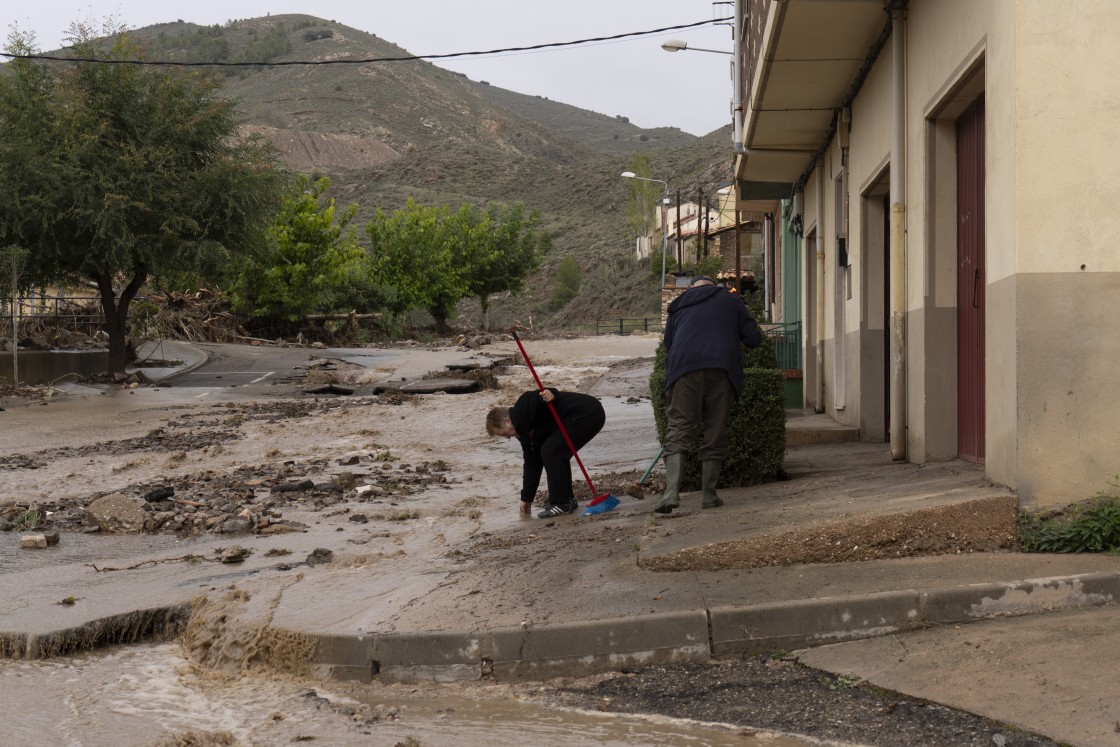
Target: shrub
[
  {"x": 1087, "y": 527},
  {"x": 757, "y": 426}
]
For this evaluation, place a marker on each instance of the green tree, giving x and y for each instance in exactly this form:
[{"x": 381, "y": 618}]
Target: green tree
[
  {"x": 313, "y": 251},
  {"x": 137, "y": 170},
  {"x": 567, "y": 281},
  {"x": 415, "y": 256},
  {"x": 511, "y": 249}
]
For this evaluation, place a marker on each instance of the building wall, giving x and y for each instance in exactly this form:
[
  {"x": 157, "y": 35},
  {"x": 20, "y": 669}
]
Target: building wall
[
  {"x": 1068, "y": 274},
  {"x": 1048, "y": 74}
]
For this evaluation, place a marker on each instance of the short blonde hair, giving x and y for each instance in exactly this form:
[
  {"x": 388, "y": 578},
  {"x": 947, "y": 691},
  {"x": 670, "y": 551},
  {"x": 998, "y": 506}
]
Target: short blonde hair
[{"x": 495, "y": 418}]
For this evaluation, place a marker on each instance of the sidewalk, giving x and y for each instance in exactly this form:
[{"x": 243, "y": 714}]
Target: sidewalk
[{"x": 900, "y": 624}]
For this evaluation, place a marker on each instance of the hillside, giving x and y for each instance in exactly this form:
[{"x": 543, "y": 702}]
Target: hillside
[{"x": 389, "y": 131}]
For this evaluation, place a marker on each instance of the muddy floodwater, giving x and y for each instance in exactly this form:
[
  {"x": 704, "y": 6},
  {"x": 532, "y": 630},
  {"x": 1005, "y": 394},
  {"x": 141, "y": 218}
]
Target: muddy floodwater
[{"x": 151, "y": 695}]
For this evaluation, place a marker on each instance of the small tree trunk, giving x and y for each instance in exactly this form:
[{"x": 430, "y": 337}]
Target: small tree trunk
[
  {"x": 116, "y": 320},
  {"x": 485, "y": 303}
]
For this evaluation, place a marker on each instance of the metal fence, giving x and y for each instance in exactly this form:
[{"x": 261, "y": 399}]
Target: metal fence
[
  {"x": 787, "y": 343},
  {"x": 73, "y": 313},
  {"x": 627, "y": 326}
]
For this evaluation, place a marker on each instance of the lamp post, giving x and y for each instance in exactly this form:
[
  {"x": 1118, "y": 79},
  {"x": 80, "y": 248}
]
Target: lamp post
[
  {"x": 676, "y": 45},
  {"x": 664, "y": 216}
]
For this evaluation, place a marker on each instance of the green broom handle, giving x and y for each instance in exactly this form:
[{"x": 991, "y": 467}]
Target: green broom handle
[{"x": 555, "y": 415}]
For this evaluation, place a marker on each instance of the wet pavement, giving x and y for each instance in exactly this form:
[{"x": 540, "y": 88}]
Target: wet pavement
[{"x": 1013, "y": 637}]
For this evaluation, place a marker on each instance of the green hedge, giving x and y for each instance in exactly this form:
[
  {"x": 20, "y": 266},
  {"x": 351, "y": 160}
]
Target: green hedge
[{"x": 757, "y": 428}]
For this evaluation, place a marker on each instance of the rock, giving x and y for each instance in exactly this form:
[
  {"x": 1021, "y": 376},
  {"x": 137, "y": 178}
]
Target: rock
[
  {"x": 117, "y": 513},
  {"x": 33, "y": 542},
  {"x": 235, "y": 554},
  {"x": 359, "y": 518},
  {"x": 159, "y": 494},
  {"x": 319, "y": 556},
  {"x": 237, "y": 525},
  {"x": 293, "y": 487}
]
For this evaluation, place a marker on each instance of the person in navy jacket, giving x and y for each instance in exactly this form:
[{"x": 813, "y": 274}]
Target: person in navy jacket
[
  {"x": 704, "y": 333},
  {"x": 542, "y": 443}
]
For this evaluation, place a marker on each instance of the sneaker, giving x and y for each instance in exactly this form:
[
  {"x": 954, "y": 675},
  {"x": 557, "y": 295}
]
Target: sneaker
[{"x": 557, "y": 509}]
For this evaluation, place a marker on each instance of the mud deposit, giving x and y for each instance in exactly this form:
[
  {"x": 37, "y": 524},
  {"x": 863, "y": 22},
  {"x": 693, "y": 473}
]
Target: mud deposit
[{"x": 375, "y": 501}]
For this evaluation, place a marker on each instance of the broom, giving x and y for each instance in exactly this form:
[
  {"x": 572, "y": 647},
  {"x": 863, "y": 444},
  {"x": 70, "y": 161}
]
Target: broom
[{"x": 599, "y": 504}]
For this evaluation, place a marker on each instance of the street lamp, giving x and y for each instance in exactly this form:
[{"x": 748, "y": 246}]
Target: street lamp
[
  {"x": 664, "y": 216},
  {"x": 676, "y": 45}
]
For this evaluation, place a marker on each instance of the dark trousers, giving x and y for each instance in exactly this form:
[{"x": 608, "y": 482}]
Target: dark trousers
[
  {"x": 557, "y": 457},
  {"x": 699, "y": 398}
]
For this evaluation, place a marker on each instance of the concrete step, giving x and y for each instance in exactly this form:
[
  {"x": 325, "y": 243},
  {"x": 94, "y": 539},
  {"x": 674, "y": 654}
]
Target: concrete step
[{"x": 805, "y": 427}]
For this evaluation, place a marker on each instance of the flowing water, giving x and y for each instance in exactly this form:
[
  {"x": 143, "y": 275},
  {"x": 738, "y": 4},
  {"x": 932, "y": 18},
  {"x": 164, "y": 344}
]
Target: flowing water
[{"x": 152, "y": 695}]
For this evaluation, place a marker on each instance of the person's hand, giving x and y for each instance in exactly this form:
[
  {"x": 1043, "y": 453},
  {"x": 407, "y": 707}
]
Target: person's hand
[
  {"x": 547, "y": 395},
  {"x": 526, "y": 507}
]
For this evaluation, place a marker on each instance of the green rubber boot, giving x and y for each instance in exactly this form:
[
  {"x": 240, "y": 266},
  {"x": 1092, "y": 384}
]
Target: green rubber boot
[
  {"x": 709, "y": 475},
  {"x": 672, "y": 497}
]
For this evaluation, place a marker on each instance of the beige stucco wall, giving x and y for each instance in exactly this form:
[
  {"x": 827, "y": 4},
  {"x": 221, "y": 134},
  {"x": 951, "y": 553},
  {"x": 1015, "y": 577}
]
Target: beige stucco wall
[
  {"x": 1068, "y": 102},
  {"x": 1068, "y": 414},
  {"x": 1050, "y": 75}
]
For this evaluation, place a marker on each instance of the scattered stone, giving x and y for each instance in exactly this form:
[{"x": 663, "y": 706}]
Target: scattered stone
[
  {"x": 293, "y": 487},
  {"x": 159, "y": 494},
  {"x": 319, "y": 556},
  {"x": 235, "y": 554},
  {"x": 117, "y": 513},
  {"x": 237, "y": 525},
  {"x": 33, "y": 542},
  {"x": 359, "y": 518}
]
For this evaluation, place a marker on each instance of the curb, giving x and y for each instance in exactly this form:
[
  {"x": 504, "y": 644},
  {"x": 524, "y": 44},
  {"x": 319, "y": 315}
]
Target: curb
[
  {"x": 613, "y": 644},
  {"x": 586, "y": 647}
]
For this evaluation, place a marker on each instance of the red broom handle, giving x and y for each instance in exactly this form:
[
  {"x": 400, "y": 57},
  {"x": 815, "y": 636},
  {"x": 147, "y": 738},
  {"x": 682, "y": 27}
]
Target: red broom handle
[{"x": 555, "y": 415}]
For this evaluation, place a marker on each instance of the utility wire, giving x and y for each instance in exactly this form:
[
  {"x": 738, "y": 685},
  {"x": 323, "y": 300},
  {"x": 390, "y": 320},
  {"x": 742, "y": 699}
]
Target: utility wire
[{"x": 409, "y": 58}]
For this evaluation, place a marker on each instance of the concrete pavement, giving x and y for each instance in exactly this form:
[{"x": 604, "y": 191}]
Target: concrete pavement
[{"x": 1020, "y": 638}]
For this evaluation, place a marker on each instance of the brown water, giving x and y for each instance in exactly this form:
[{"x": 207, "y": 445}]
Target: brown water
[{"x": 151, "y": 695}]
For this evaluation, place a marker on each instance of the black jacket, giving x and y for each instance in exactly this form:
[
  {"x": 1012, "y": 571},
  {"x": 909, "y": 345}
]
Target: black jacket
[
  {"x": 704, "y": 329},
  {"x": 534, "y": 424}
]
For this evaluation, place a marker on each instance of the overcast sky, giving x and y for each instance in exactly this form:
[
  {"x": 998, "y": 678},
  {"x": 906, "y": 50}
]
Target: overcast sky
[{"x": 634, "y": 78}]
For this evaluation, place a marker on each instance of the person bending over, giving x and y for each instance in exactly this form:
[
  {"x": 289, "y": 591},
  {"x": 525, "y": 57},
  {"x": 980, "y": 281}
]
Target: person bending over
[
  {"x": 543, "y": 444},
  {"x": 705, "y": 332}
]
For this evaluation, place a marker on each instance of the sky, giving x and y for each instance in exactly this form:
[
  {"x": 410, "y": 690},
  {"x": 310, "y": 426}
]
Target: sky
[{"x": 634, "y": 77}]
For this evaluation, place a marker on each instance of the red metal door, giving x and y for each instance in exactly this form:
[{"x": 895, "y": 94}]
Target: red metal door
[{"x": 971, "y": 282}]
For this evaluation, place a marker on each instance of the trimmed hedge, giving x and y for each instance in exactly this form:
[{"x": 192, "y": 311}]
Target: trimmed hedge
[{"x": 757, "y": 428}]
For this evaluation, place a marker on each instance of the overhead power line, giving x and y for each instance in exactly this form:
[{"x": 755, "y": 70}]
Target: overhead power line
[{"x": 408, "y": 58}]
